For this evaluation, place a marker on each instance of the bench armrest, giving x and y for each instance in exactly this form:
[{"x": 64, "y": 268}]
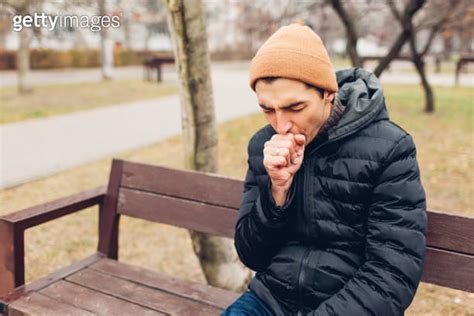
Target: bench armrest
[{"x": 12, "y": 228}]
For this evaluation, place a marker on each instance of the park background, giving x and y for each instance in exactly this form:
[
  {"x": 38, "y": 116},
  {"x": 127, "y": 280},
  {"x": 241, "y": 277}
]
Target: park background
[{"x": 73, "y": 99}]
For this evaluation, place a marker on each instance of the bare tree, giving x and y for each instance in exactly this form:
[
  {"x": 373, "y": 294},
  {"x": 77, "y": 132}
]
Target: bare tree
[
  {"x": 436, "y": 16},
  {"x": 351, "y": 27},
  {"x": 154, "y": 20},
  {"x": 351, "y": 32},
  {"x": 255, "y": 24},
  {"x": 106, "y": 46},
  {"x": 124, "y": 7},
  {"x": 22, "y": 7},
  {"x": 406, "y": 16},
  {"x": 459, "y": 26},
  {"x": 186, "y": 22}
]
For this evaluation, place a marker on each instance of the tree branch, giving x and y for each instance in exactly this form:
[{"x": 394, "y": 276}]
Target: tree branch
[
  {"x": 394, "y": 10},
  {"x": 412, "y": 7},
  {"x": 438, "y": 25}
]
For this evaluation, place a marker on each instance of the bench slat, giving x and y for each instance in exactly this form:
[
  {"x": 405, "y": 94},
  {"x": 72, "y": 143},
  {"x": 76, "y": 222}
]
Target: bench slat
[
  {"x": 450, "y": 232},
  {"x": 195, "y": 291},
  {"x": 45, "y": 281},
  {"x": 205, "y": 187},
  {"x": 93, "y": 301},
  {"x": 37, "y": 304},
  {"x": 449, "y": 269},
  {"x": 215, "y": 220},
  {"x": 141, "y": 294}
]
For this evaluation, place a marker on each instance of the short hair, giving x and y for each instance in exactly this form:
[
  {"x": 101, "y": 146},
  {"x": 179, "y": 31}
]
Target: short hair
[{"x": 309, "y": 86}]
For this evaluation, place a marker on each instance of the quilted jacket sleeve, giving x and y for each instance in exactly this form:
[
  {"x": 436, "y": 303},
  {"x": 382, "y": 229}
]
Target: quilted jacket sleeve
[
  {"x": 258, "y": 231},
  {"x": 395, "y": 243}
]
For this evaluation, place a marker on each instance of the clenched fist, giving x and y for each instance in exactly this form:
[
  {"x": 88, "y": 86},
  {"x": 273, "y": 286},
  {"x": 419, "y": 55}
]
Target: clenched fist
[{"x": 282, "y": 158}]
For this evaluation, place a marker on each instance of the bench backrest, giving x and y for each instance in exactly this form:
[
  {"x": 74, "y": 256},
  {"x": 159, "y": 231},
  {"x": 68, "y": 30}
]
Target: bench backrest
[{"x": 209, "y": 203}]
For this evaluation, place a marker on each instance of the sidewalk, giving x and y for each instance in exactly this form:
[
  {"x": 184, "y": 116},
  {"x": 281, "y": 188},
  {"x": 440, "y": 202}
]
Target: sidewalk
[{"x": 37, "y": 148}]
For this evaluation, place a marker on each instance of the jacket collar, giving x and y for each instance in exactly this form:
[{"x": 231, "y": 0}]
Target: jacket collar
[{"x": 362, "y": 95}]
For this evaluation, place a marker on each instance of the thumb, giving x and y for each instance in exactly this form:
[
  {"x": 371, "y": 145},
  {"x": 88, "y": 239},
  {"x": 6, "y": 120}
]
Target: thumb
[{"x": 300, "y": 139}]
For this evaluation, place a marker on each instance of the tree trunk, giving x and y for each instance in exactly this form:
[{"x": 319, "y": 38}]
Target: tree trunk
[
  {"x": 351, "y": 33},
  {"x": 106, "y": 47},
  {"x": 393, "y": 53},
  {"x": 419, "y": 63},
  {"x": 23, "y": 62},
  {"x": 125, "y": 22},
  {"x": 420, "y": 68},
  {"x": 23, "y": 52},
  {"x": 186, "y": 22}
]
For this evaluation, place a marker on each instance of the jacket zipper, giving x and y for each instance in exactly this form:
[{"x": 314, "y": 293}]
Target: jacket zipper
[{"x": 301, "y": 273}]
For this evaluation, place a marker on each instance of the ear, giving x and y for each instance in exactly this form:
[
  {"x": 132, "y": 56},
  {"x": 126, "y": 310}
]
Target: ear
[{"x": 329, "y": 96}]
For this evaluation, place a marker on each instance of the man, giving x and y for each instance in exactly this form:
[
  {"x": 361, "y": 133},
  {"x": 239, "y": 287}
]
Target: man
[{"x": 333, "y": 216}]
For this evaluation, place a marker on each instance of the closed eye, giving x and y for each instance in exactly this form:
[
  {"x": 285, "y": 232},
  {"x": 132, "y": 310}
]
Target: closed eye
[
  {"x": 294, "y": 109},
  {"x": 266, "y": 109}
]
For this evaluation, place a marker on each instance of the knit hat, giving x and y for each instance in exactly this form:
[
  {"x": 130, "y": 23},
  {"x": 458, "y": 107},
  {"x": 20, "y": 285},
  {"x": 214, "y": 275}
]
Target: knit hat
[{"x": 294, "y": 52}]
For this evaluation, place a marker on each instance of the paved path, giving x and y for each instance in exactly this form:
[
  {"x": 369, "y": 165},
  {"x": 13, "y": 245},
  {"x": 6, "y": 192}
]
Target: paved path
[{"x": 37, "y": 148}]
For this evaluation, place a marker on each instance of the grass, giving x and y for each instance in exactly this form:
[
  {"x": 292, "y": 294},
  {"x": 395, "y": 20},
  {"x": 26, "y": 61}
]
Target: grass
[
  {"x": 56, "y": 99},
  {"x": 444, "y": 142}
]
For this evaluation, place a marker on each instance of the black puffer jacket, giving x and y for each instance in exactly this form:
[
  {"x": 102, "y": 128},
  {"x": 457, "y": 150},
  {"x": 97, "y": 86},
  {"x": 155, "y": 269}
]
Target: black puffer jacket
[{"x": 350, "y": 240}]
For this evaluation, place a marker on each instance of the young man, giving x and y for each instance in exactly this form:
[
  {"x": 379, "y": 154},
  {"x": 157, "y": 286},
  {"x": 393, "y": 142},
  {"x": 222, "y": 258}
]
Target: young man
[{"x": 333, "y": 216}]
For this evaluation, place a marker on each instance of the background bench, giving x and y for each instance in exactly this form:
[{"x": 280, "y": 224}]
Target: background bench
[
  {"x": 436, "y": 60},
  {"x": 366, "y": 58},
  {"x": 463, "y": 60},
  {"x": 202, "y": 202},
  {"x": 156, "y": 62}
]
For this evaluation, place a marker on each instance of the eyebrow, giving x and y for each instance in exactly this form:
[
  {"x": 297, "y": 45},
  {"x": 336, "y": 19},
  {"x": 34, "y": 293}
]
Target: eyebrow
[{"x": 288, "y": 106}]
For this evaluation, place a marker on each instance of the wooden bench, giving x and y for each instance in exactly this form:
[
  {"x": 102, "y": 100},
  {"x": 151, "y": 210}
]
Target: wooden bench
[
  {"x": 156, "y": 62},
  {"x": 364, "y": 59},
  {"x": 202, "y": 202},
  {"x": 436, "y": 60}
]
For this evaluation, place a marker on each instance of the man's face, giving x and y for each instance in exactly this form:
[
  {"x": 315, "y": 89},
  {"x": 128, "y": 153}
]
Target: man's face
[{"x": 290, "y": 106}]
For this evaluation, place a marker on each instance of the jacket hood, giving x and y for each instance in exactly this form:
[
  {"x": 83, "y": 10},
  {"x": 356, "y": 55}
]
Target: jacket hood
[{"x": 361, "y": 92}]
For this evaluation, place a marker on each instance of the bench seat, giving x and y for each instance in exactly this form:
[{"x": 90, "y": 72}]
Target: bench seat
[{"x": 101, "y": 286}]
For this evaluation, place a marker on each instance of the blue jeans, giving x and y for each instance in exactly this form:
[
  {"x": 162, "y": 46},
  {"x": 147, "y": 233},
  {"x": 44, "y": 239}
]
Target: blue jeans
[{"x": 247, "y": 304}]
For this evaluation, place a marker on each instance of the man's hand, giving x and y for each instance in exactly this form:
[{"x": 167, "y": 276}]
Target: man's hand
[{"x": 282, "y": 158}]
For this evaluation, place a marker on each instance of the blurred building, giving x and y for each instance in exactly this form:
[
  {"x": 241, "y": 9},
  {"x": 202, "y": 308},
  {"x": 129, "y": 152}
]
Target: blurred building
[{"x": 142, "y": 26}]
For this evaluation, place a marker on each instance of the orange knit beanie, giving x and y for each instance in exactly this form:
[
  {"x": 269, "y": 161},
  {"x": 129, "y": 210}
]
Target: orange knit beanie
[{"x": 294, "y": 52}]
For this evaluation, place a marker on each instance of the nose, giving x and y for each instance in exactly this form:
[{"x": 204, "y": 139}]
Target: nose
[{"x": 283, "y": 124}]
